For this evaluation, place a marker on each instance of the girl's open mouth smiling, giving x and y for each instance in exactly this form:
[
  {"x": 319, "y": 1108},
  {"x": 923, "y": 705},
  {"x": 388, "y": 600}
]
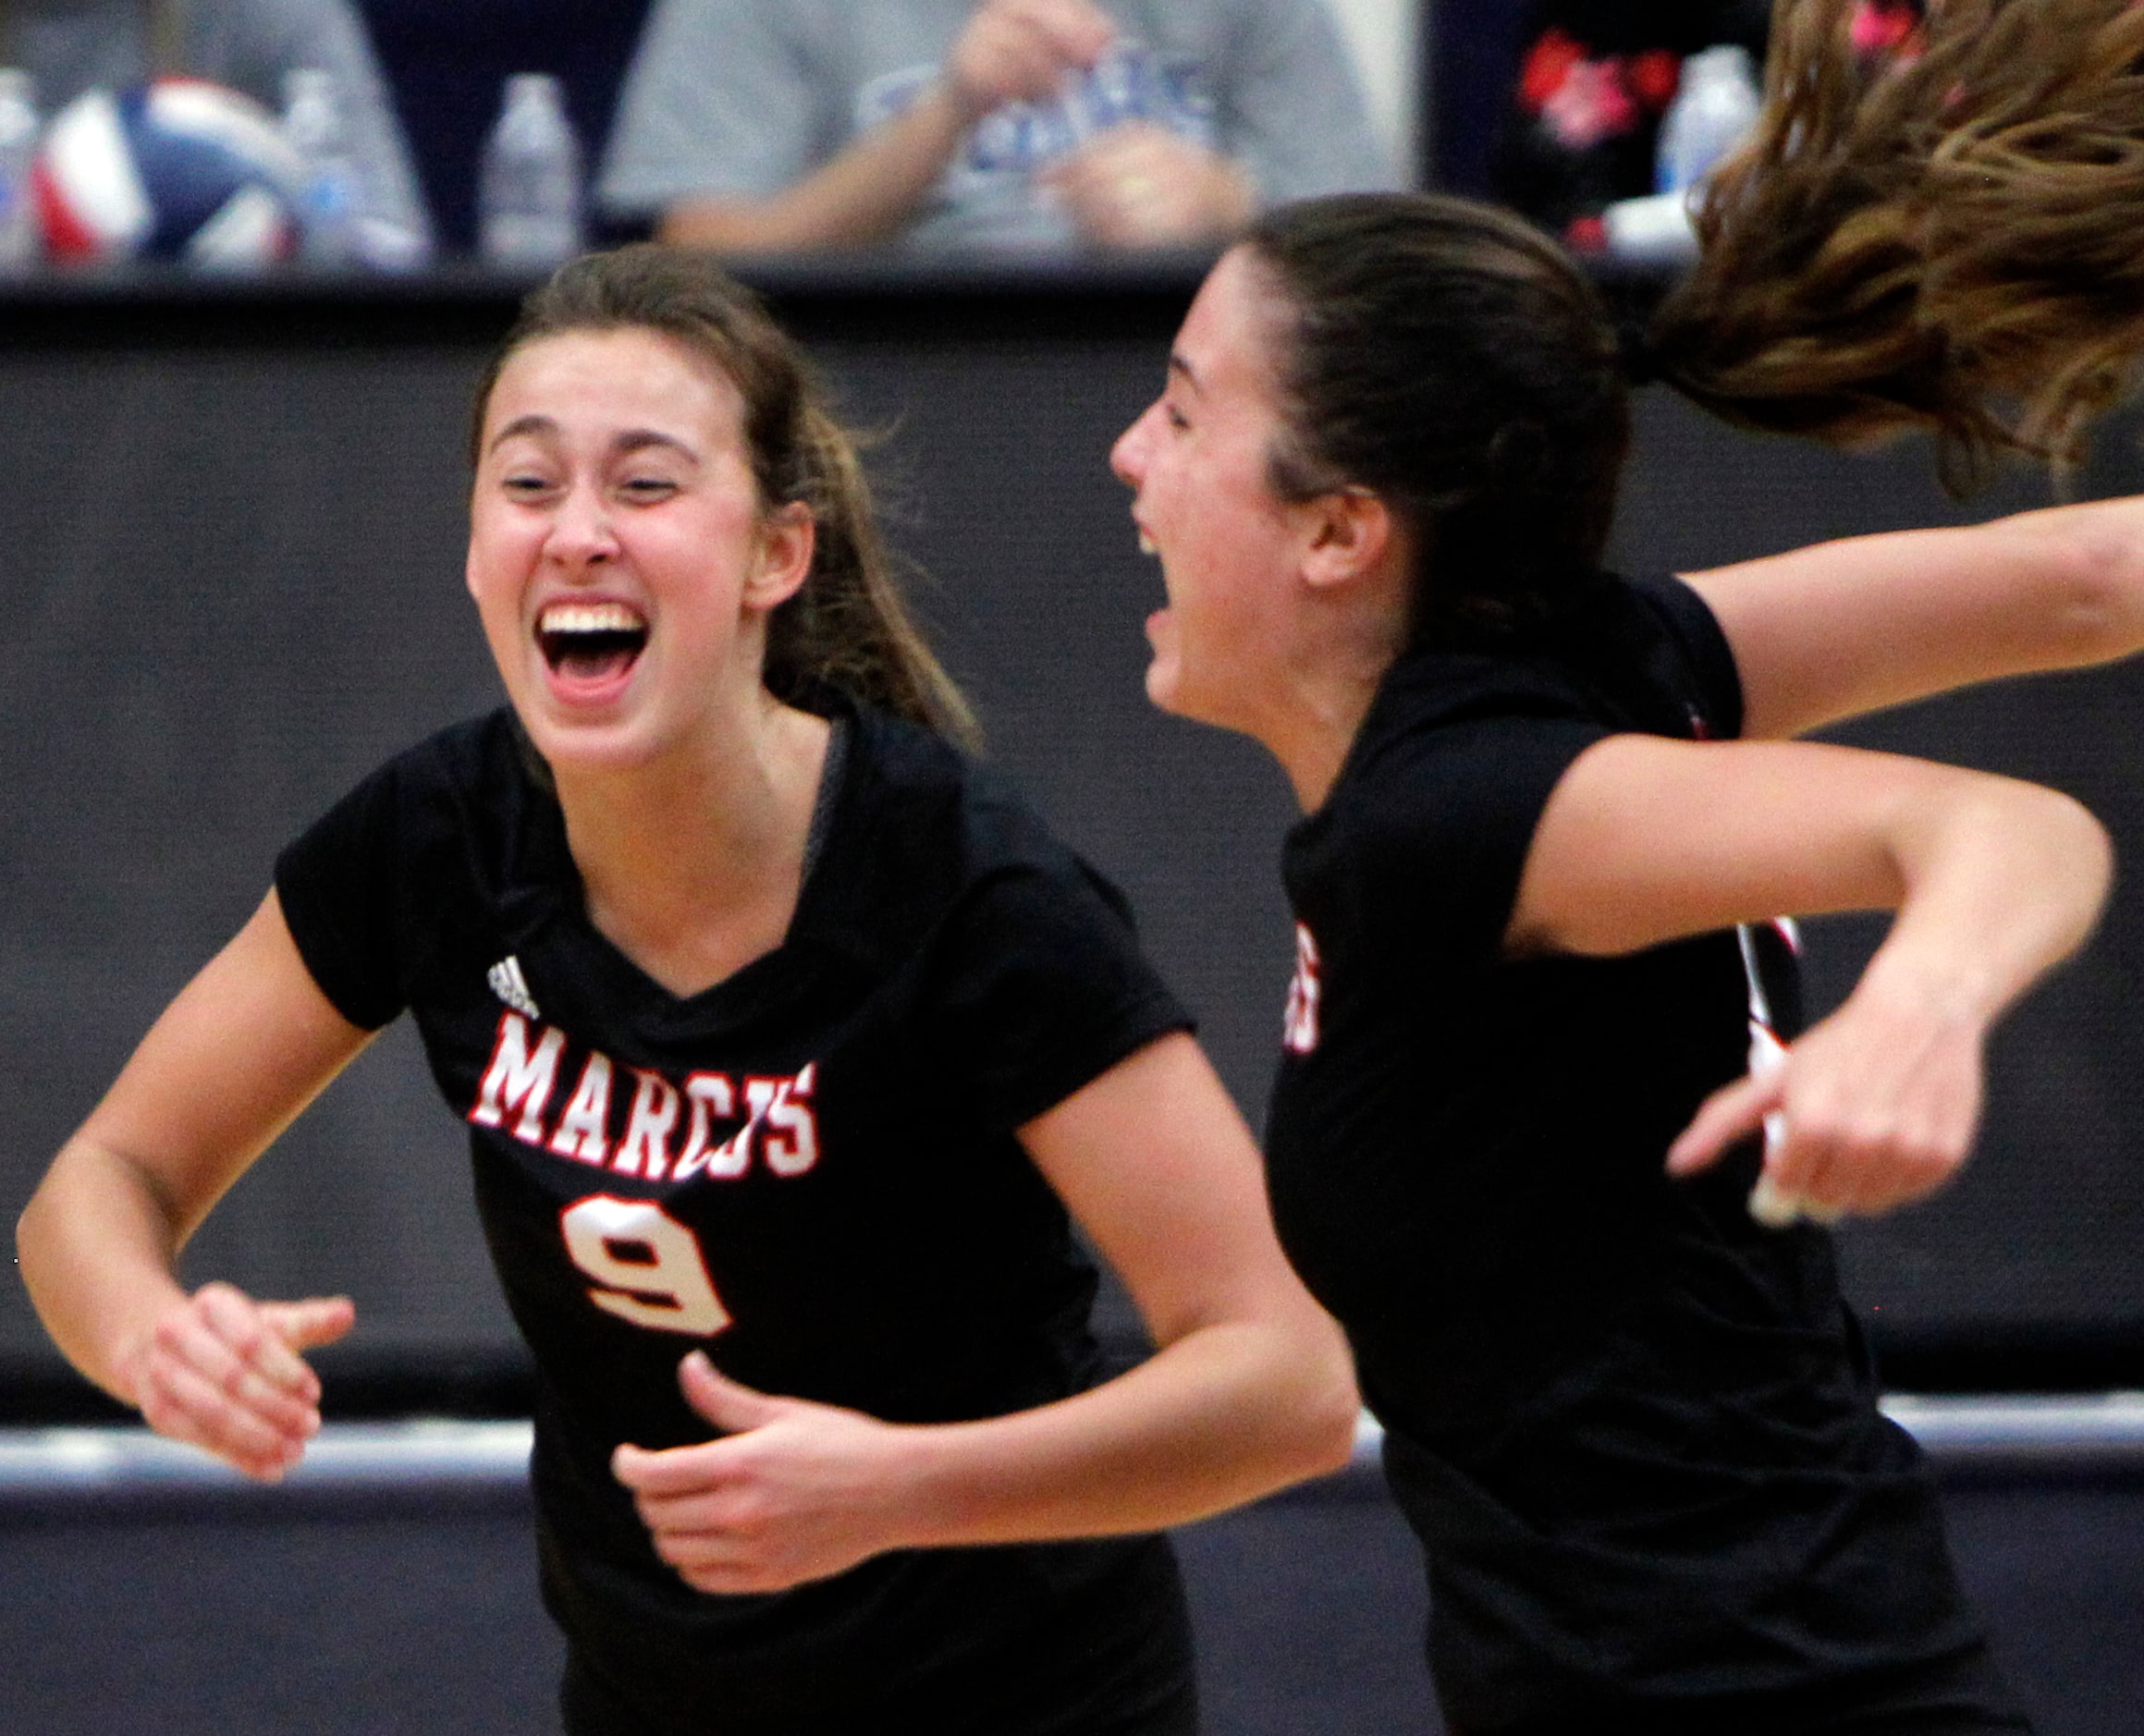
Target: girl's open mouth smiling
[{"x": 590, "y": 644}]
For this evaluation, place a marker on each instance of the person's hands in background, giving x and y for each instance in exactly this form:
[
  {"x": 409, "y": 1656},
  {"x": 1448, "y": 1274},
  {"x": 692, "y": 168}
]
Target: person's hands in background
[
  {"x": 1140, "y": 184},
  {"x": 1013, "y": 50}
]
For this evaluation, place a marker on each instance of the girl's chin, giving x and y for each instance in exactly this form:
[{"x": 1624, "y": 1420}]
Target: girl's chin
[
  {"x": 1167, "y": 691},
  {"x": 1161, "y": 682},
  {"x": 582, "y": 735},
  {"x": 1163, "y": 671}
]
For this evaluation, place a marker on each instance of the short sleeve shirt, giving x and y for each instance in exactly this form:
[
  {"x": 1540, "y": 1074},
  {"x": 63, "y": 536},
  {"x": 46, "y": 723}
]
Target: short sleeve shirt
[
  {"x": 1635, "y": 1432},
  {"x": 743, "y": 98},
  {"x": 810, "y": 1170}
]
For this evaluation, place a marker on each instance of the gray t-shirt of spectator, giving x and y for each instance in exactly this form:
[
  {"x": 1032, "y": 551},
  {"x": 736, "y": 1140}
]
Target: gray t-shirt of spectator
[
  {"x": 69, "y": 45},
  {"x": 742, "y": 98}
]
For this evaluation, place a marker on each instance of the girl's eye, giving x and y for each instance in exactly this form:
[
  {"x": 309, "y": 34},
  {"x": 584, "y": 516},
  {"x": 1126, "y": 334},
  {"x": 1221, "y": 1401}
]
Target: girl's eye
[
  {"x": 525, "y": 485},
  {"x": 1177, "y": 418},
  {"x": 648, "y": 488}
]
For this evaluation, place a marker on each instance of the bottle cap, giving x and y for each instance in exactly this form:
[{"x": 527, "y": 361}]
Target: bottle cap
[
  {"x": 532, "y": 87},
  {"x": 1723, "y": 61},
  {"x": 1654, "y": 230}
]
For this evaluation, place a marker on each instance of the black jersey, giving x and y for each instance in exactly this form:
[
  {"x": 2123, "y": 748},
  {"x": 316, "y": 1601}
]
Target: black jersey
[
  {"x": 1636, "y": 1433},
  {"x": 810, "y": 1170}
]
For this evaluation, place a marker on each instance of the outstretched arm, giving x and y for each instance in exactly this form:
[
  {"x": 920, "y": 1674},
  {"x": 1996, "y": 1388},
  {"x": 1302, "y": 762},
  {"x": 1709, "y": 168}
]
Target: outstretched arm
[
  {"x": 1250, "y": 1390},
  {"x": 1840, "y": 629},
  {"x": 1993, "y": 881},
  {"x": 245, "y": 1046},
  {"x": 1010, "y": 51}
]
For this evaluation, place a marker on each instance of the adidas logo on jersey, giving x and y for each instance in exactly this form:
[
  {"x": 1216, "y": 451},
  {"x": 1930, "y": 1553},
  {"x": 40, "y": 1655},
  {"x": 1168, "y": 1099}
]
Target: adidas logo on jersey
[{"x": 508, "y": 983}]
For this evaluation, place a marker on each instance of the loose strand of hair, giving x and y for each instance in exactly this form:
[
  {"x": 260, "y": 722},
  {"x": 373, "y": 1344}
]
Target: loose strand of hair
[{"x": 851, "y": 627}]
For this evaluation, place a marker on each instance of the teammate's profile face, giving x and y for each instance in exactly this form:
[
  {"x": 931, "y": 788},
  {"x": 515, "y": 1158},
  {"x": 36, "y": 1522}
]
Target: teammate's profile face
[
  {"x": 1196, "y": 462},
  {"x": 621, "y": 560}
]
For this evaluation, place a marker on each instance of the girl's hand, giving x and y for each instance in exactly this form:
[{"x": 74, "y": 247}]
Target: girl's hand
[
  {"x": 1872, "y": 1108},
  {"x": 227, "y": 1373},
  {"x": 794, "y": 1491}
]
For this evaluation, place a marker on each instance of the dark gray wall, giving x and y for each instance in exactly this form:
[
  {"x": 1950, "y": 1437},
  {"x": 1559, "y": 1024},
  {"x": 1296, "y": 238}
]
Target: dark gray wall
[
  {"x": 229, "y": 575},
  {"x": 2025, "y": 1272},
  {"x": 263, "y": 1615}
]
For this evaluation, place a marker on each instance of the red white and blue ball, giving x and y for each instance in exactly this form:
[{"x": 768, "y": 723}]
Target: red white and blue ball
[{"x": 179, "y": 169}]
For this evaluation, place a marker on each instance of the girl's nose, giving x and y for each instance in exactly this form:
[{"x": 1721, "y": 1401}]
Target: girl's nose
[
  {"x": 1128, "y": 457},
  {"x": 581, "y": 532}
]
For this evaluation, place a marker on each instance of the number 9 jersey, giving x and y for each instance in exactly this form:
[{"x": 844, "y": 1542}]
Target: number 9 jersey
[{"x": 809, "y": 1170}]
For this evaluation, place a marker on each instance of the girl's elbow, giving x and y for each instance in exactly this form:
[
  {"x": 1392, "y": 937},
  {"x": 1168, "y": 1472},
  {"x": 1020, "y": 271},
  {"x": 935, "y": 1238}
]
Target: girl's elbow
[
  {"x": 1336, "y": 1438},
  {"x": 32, "y": 1229},
  {"x": 2070, "y": 856},
  {"x": 2071, "y": 829},
  {"x": 2092, "y": 848},
  {"x": 1328, "y": 1411}
]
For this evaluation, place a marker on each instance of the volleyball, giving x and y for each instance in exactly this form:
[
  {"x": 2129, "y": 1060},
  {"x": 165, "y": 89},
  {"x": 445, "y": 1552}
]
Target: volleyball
[{"x": 179, "y": 169}]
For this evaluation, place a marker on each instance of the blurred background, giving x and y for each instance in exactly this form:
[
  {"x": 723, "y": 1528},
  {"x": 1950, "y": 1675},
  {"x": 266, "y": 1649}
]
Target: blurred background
[{"x": 241, "y": 311}]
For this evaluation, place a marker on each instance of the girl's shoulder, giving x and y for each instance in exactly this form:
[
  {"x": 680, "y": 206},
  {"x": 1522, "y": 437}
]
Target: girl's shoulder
[
  {"x": 1641, "y": 654},
  {"x": 909, "y": 781},
  {"x": 921, "y": 828}
]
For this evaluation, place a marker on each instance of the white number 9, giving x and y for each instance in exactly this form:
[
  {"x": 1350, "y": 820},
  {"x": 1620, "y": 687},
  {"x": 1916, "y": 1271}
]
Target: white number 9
[{"x": 646, "y": 1264}]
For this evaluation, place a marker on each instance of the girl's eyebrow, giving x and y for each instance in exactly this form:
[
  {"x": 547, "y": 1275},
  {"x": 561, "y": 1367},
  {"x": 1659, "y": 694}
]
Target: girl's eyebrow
[
  {"x": 521, "y": 426},
  {"x": 632, "y": 440},
  {"x": 639, "y": 439}
]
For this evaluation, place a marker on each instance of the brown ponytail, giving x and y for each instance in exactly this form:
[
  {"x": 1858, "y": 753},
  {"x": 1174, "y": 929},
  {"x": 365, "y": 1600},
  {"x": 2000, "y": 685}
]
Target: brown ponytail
[
  {"x": 848, "y": 627},
  {"x": 1949, "y": 239}
]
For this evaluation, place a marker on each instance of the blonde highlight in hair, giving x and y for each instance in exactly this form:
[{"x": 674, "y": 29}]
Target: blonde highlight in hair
[
  {"x": 1944, "y": 239},
  {"x": 847, "y": 627}
]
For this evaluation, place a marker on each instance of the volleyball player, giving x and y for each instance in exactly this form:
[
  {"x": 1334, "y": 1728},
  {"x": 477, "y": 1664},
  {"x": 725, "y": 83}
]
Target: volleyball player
[
  {"x": 1541, "y": 1019},
  {"x": 786, "y": 1039}
]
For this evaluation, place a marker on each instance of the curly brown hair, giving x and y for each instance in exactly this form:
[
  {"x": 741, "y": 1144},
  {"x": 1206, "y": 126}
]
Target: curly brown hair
[{"x": 1946, "y": 240}]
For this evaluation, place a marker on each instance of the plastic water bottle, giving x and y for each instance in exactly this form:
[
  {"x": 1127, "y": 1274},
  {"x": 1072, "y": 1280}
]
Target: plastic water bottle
[
  {"x": 1715, "y": 106},
  {"x": 331, "y": 203},
  {"x": 22, "y": 244},
  {"x": 529, "y": 192}
]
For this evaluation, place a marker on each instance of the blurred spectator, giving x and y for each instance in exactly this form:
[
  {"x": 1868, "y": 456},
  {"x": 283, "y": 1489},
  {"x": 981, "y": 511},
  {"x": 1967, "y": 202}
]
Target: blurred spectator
[
  {"x": 1024, "y": 124},
  {"x": 448, "y": 61},
  {"x": 70, "y": 45}
]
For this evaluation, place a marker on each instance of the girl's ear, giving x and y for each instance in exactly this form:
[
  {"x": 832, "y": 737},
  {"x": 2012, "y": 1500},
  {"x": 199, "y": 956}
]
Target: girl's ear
[
  {"x": 1351, "y": 536},
  {"x": 788, "y": 538}
]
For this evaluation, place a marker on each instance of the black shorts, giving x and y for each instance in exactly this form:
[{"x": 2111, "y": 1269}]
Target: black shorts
[
  {"x": 1105, "y": 1652},
  {"x": 592, "y": 1706},
  {"x": 1962, "y": 1695}
]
